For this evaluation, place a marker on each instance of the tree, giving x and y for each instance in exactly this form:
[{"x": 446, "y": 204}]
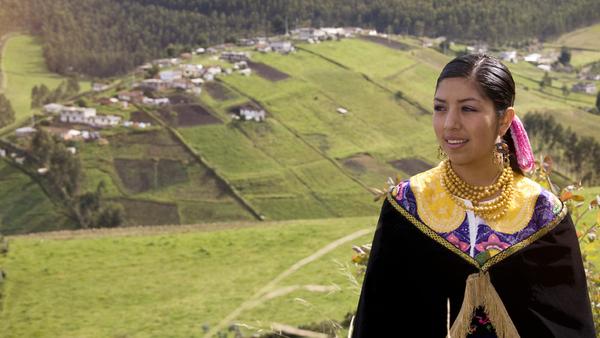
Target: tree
[
  {"x": 598, "y": 101},
  {"x": 565, "y": 90},
  {"x": 72, "y": 86},
  {"x": 7, "y": 114},
  {"x": 565, "y": 56},
  {"x": 546, "y": 81}
]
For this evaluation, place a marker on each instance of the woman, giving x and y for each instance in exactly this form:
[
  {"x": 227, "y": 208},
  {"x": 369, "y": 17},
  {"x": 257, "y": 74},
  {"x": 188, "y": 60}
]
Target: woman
[{"x": 473, "y": 248}]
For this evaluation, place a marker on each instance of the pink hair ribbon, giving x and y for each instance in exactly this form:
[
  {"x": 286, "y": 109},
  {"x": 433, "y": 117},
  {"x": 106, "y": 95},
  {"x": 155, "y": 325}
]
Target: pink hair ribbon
[{"x": 522, "y": 145}]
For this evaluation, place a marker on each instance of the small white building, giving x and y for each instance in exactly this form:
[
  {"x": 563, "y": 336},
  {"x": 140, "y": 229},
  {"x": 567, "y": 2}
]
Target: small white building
[
  {"x": 72, "y": 150},
  {"x": 283, "y": 47},
  {"x": 2, "y": 153},
  {"x": 53, "y": 108},
  {"x": 252, "y": 113},
  {"x": 342, "y": 111},
  {"x": 25, "y": 131},
  {"x": 246, "y": 71},
  {"x": 76, "y": 114},
  {"x": 156, "y": 102},
  {"x": 545, "y": 68},
  {"x": 509, "y": 56},
  {"x": 99, "y": 86},
  {"x": 154, "y": 84},
  {"x": 533, "y": 57},
  {"x": 105, "y": 121},
  {"x": 170, "y": 75},
  {"x": 200, "y": 50},
  {"x": 233, "y": 56},
  {"x": 192, "y": 71}
]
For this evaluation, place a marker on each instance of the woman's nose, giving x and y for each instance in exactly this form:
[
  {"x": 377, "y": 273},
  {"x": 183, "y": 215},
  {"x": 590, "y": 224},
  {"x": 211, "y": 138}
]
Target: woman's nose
[{"x": 452, "y": 119}]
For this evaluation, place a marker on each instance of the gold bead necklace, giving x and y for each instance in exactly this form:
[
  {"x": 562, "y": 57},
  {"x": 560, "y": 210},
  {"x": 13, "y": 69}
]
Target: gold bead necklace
[{"x": 493, "y": 209}]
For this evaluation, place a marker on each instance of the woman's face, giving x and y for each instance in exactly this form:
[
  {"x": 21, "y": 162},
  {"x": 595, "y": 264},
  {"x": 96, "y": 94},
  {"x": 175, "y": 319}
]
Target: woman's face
[{"x": 465, "y": 123}]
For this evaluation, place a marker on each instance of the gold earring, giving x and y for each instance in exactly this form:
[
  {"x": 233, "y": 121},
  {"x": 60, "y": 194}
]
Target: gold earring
[
  {"x": 441, "y": 153},
  {"x": 501, "y": 154}
]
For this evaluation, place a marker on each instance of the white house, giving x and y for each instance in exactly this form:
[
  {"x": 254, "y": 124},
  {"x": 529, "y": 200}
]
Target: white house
[
  {"x": 533, "y": 57},
  {"x": 99, "y": 86},
  {"x": 2, "y": 153},
  {"x": 155, "y": 84},
  {"x": 105, "y": 120},
  {"x": 232, "y": 56},
  {"x": 200, "y": 50},
  {"x": 190, "y": 70},
  {"x": 252, "y": 113},
  {"x": 342, "y": 110},
  {"x": 283, "y": 47},
  {"x": 170, "y": 75},
  {"x": 77, "y": 114},
  {"x": 545, "y": 68},
  {"x": 53, "y": 108},
  {"x": 155, "y": 102},
  {"x": 510, "y": 56}
]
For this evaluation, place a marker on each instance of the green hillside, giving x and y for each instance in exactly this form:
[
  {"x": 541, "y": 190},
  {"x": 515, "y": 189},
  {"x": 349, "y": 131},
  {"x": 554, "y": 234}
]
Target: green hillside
[
  {"x": 170, "y": 282},
  {"x": 23, "y": 67},
  {"x": 306, "y": 160}
]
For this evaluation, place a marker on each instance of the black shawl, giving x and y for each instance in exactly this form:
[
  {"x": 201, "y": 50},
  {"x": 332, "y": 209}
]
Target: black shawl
[{"x": 412, "y": 272}]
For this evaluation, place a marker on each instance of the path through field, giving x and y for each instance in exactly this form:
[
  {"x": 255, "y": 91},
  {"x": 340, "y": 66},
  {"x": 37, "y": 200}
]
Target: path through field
[{"x": 264, "y": 291}]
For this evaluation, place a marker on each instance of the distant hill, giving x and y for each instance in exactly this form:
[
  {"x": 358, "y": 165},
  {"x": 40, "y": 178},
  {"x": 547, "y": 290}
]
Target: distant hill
[{"x": 108, "y": 37}]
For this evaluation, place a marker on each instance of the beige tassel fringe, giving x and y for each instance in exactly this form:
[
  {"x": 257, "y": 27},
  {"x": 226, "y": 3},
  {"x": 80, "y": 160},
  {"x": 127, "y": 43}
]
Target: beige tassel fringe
[{"x": 479, "y": 291}]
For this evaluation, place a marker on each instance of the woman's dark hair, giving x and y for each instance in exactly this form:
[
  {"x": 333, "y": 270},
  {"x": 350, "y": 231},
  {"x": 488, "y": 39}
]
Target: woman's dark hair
[{"x": 495, "y": 82}]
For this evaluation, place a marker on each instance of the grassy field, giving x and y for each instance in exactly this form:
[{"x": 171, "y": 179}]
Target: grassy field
[
  {"x": 25, "y": 208},
  {"x": 150, "y": 283},
  {"x": 586, "y": 38},
  {"x": 23, "y": 67}
]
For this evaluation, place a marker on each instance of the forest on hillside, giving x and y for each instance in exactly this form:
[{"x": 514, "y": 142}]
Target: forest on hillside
[{"x": 107, "y": 37}]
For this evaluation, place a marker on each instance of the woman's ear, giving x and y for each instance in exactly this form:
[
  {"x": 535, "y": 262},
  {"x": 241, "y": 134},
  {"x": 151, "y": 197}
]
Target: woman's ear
[{"x": 506, "y": 120}]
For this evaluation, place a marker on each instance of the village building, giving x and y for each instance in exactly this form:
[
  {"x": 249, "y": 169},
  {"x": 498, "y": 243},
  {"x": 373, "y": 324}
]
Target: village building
[
  {"x": 533, "y": 57},
  {"x": 583, "y": 87},
  {"x": 240, "y": 65},
  {"x": 191, "y": 71},
  {"x": 246, "y": 42},
  {"x": 200, "y": 50},
  {"x": 25, "y": 131},
  {"x": 52, "y": 108},
  {"x": 76, "y": 114},
  {"x": 99, "y": 86},
  {"x": 509, "y": 56},
  {"x": 2, "y": 153},
  {"x": 88, "y": 116},
  {"x": 154, "y": 84},
  {"x": 232, "y": 56},
  {"x": 283, "y": 47},
  {"x": 134, "y": 96},
  {"x": 308, "y": 34},
  {"x": 170, "y": 75},
  {"x": 263, "y": 47},
  {"x": 155, "y": 102},
  {"x": 252, "y": 113}
]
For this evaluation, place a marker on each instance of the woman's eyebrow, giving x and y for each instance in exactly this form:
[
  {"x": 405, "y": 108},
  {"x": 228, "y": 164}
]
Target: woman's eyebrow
[{"x": 460, "y": 101}]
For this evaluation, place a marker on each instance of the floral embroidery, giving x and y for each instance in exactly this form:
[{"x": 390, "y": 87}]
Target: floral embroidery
[
  {"x": 493, "y": 242},
  {"x": 457, "y": 242}
]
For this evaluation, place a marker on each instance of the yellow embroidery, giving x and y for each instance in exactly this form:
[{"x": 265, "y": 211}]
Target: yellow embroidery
[{"x": 441, "y": 214}]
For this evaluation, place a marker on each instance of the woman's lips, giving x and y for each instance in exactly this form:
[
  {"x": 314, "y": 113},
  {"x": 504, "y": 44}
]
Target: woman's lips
[{"x": 455, "y": 143}]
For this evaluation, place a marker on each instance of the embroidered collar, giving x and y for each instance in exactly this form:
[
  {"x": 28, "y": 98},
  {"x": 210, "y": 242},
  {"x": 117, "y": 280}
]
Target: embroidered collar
[{"x": 436, "y": 209}]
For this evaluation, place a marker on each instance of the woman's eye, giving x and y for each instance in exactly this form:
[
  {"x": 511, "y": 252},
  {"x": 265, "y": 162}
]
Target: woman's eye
[
  {"x": 438, "y": 108},
  {"x": 467, "y": 108}
]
